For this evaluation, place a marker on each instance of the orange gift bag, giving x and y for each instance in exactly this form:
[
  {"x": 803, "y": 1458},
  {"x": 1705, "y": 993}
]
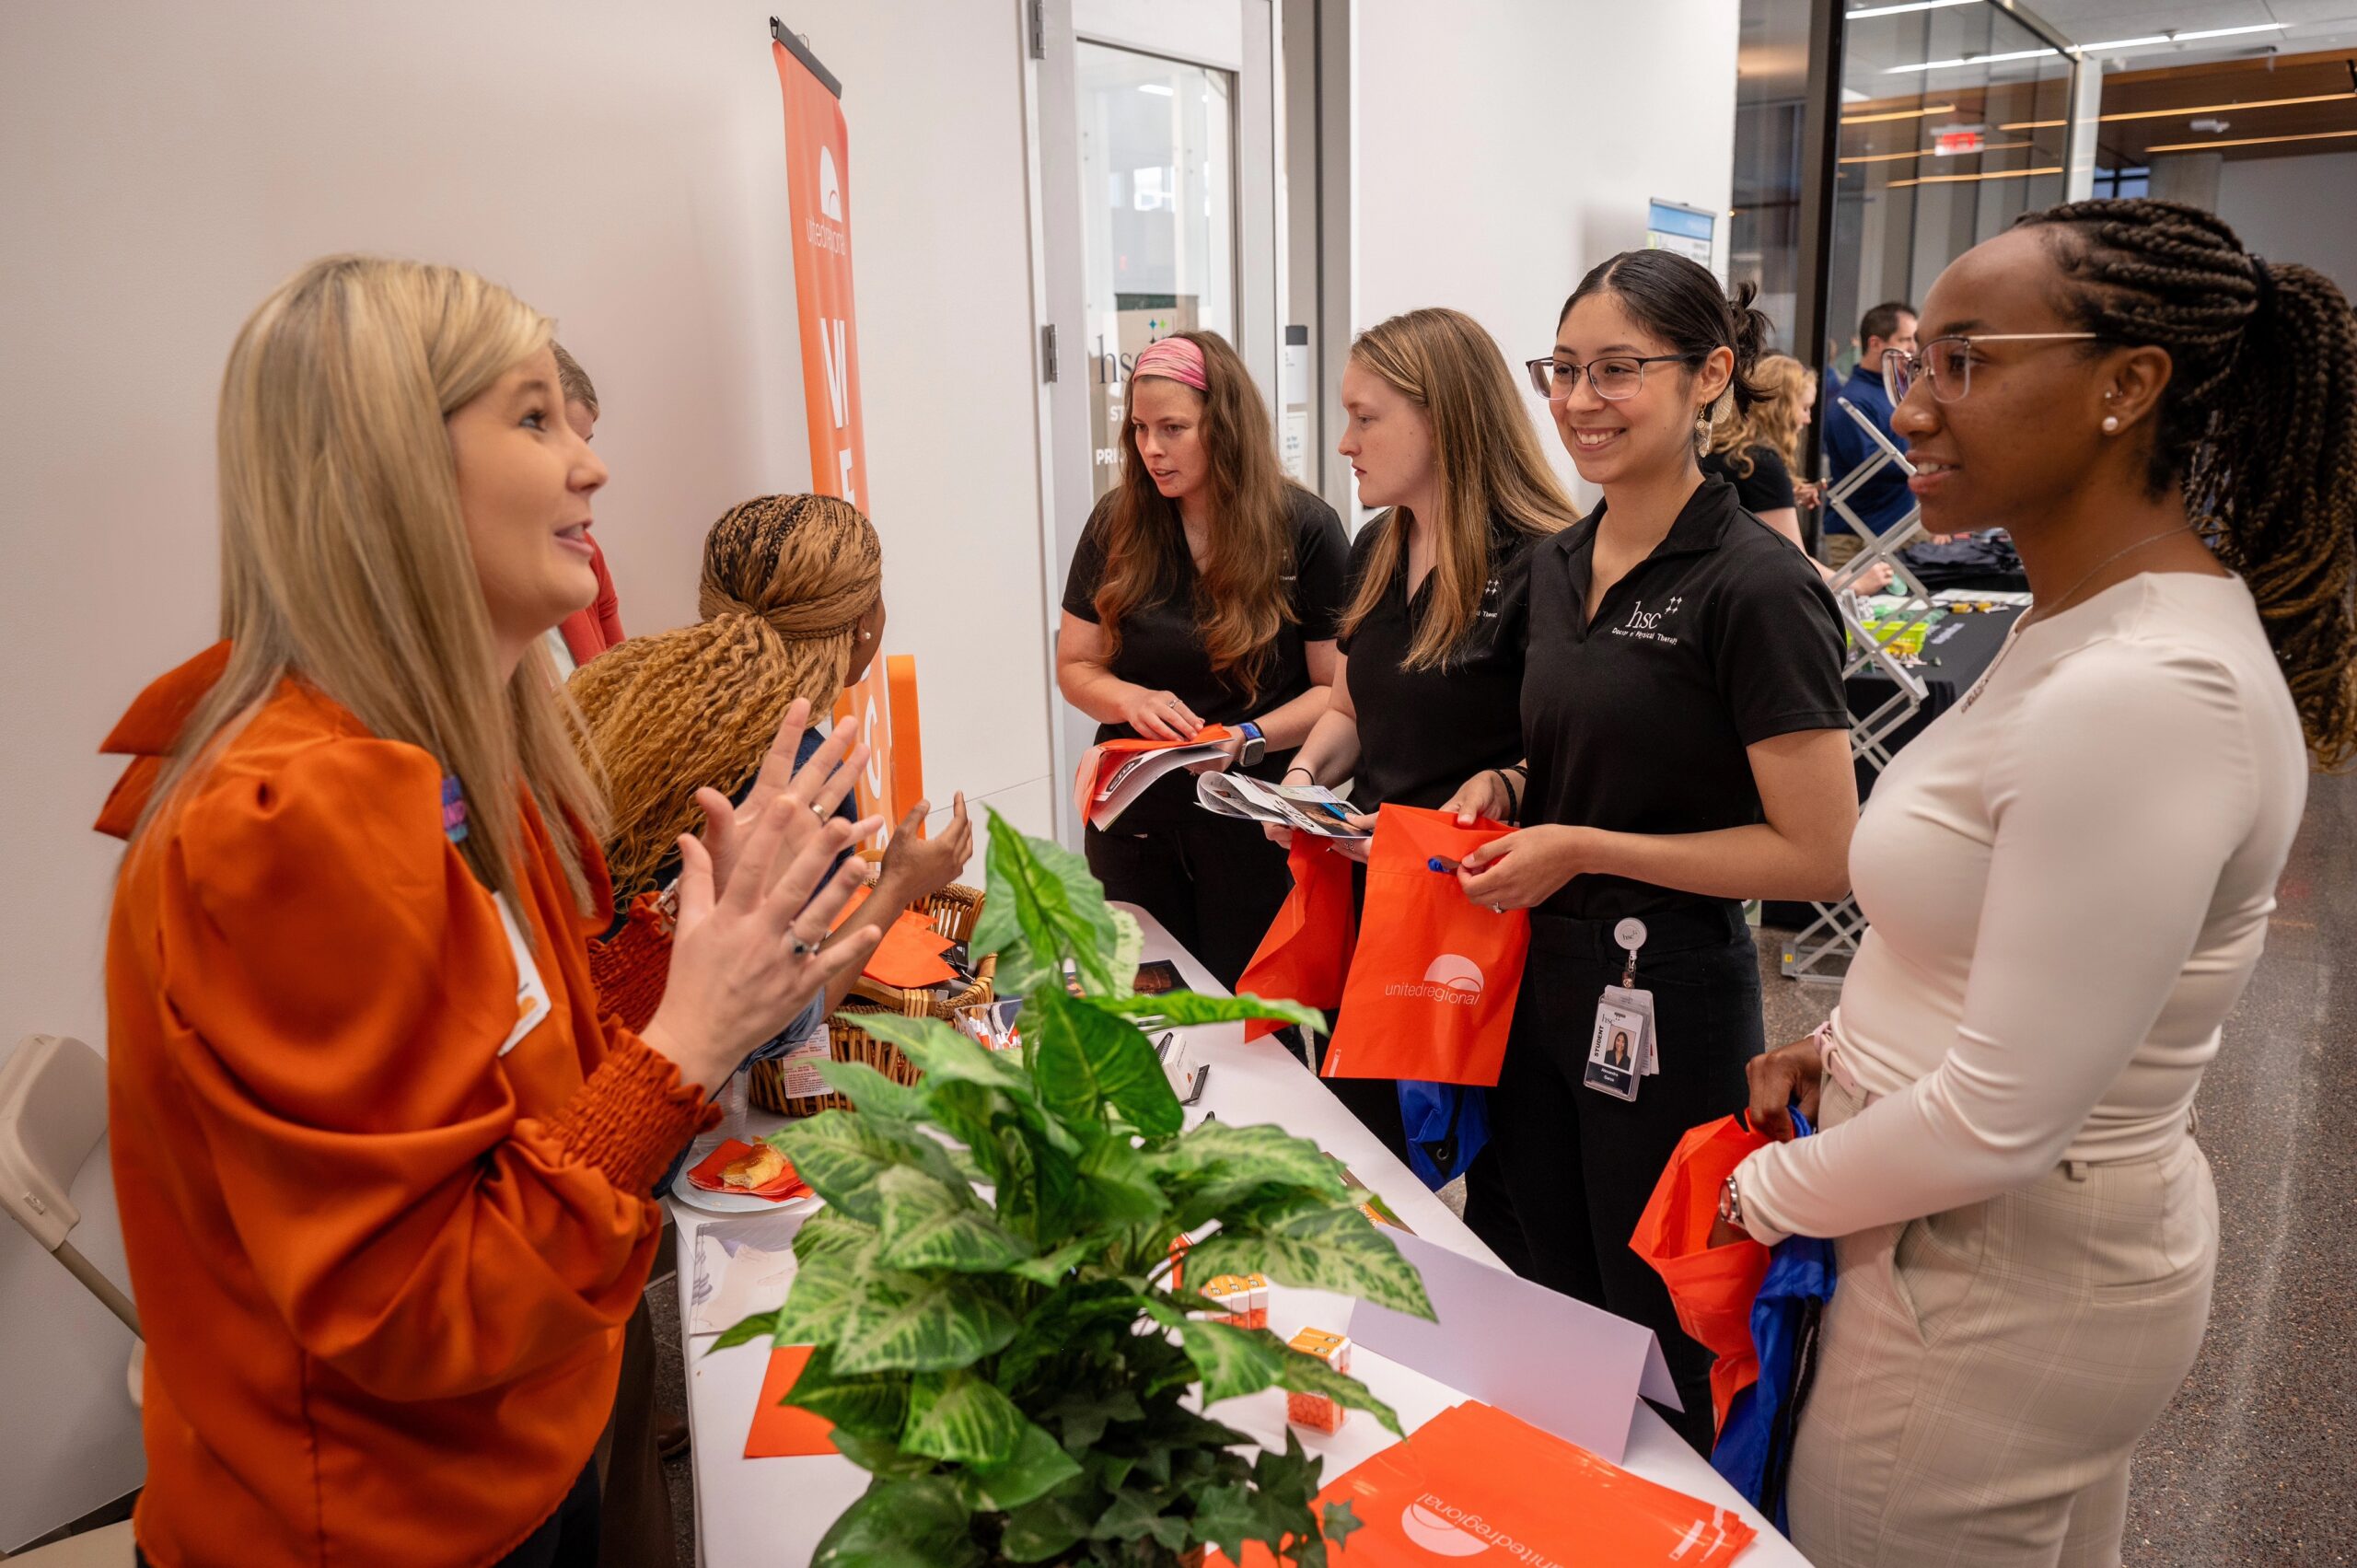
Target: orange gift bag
[
  {"x": 1713, "y": 1287},
  {"x": 1432, "y": 983},
  {"x": 1307, "y": 950}
]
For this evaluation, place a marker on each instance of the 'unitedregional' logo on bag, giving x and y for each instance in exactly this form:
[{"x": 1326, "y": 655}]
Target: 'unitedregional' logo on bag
[
  {"x": 1445, "y": 1530},
  {"x": 1451, "y": 978}
]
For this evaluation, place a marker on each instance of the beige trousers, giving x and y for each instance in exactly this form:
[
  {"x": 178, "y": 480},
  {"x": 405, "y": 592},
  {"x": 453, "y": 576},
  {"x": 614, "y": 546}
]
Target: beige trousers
[
  {"x": 1984, "y": 1374},
  {"x": 1838, "y": 548}
]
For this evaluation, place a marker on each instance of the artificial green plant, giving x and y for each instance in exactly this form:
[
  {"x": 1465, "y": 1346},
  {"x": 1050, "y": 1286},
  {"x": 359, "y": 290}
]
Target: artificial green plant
[{"x": 1014, "y": 1369}]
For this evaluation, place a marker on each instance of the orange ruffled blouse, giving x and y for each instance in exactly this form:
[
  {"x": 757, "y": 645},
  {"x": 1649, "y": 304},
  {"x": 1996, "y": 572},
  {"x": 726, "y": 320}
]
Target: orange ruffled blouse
[{"x": 383, "y": 1268}]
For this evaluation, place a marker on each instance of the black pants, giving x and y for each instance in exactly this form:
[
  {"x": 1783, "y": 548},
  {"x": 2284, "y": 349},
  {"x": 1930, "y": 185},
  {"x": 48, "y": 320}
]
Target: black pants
[
  {"x": 567, "y": 1539},
  {"x": 1214, "y": 883},
  {"x": 634, "y": 1504},
  {"x": 1580, "y": 1164}
]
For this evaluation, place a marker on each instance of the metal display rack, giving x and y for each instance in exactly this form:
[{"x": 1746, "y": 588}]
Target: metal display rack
[{"x": 1821, "y": 952}]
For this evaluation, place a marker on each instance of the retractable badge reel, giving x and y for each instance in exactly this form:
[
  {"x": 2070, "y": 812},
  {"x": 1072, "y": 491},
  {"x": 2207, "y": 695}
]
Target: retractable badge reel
[{"x": 1621, "y": 1051}]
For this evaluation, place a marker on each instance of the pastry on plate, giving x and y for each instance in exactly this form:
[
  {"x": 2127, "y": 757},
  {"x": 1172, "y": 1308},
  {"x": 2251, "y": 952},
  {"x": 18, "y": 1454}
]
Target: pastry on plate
[{"x": 750, "y": 1172}]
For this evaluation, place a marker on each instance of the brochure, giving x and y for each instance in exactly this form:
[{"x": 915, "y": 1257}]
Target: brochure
[
  {"x": 1113, "y": 773},
  {"x": 1309, "y": 808}
]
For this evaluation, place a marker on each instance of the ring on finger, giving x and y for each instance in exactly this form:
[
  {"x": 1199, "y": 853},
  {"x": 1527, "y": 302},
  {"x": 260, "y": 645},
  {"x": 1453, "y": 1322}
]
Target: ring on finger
[
  {"x": 1497, "y": 909},
  {"x": 799, "y": 947}
]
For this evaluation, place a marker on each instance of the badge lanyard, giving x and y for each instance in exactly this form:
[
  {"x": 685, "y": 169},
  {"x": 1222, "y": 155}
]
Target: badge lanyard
[{"x": 1622, "y": 1049}]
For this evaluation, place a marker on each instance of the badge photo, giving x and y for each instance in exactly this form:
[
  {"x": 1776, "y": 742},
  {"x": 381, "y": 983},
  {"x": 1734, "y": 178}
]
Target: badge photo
[{"x": 1614, "y": 1052}]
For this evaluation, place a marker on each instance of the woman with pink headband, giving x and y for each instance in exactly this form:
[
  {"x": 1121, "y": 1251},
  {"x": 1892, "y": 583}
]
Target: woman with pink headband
[{"x": 1205, "y": 590}]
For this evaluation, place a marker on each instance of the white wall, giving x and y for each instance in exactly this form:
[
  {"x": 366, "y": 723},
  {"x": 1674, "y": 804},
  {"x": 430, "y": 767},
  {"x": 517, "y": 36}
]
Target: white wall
[
  {"x": 1505, "y": 146},
  {"x": 619, "y": 166},
  {"x": 2296, "y": 209}
]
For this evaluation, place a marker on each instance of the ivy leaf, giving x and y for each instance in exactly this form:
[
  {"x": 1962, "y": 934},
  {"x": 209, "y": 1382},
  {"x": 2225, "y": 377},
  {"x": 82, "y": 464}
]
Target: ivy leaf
[
  {"x": 1042, "y": 1531},
  {"x": 928, "y": 1225},
  {"x": 872, "y": 1405},
  {"x": 916, "y": 1523},
  {"x": 1134, "y": 1515},
  {"x": 869, "y": 1090},
  {"x": 907, "y": 1322},
  {"x": 1224, "y": 1515},
  {"x": 1330, "y": 1249},
  {"x": 1232, "y": 1362},
  {"x": 1083, "y": 1414},
  {"x": 960, "y": 1417},
  {"x": 760, "y": 1326},
  {"x": 1038, "y": 1467},
  {"x": 1193, "y": 1007},
  {"x": 1087, "y": 1059},
  {"x": 1341, "y": 1523}
]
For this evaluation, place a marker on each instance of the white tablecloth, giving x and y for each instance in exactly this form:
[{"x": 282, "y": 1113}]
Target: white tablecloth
[{"x": 771, "y": 1513}]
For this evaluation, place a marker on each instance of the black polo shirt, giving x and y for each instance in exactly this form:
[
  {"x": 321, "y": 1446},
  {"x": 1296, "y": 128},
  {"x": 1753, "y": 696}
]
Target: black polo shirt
[
  {"x": 1424, "y": 732},
  {"x": 1162, "y": 640},
  {"x": 1723, "y": 637}
]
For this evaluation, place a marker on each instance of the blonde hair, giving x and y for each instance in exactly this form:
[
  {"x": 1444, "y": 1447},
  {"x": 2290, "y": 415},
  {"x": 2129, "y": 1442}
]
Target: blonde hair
[
  {"x": 1486, "y": 460},
  {"x": 1773, "y": 420},
  {"x": 573, "y": 382},
  {"x": 345, "y": 560},
  {"x": 786, "y": 581}
]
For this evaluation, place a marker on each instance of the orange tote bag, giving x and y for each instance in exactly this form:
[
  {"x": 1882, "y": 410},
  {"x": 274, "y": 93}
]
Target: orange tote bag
[
  {"x": 1433, "y": 982},
  {"x": 1307, "y": 950},
  {"x": 1712, "y": 1287}
]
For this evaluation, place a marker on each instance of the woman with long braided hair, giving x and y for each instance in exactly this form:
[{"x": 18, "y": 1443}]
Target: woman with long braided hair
[
  {"x": 2069, "y": 876},
  {"x": 793, "y": 608}
]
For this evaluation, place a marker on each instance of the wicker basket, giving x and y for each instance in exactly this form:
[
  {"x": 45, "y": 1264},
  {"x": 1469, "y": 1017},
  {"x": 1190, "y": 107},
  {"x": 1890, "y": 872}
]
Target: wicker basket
[{"x": 953, "y": 912}]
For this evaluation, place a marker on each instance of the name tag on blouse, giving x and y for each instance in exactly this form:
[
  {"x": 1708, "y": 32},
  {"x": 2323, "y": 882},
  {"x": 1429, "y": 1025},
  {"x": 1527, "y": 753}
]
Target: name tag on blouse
[{"x": 532, "y": 1005}]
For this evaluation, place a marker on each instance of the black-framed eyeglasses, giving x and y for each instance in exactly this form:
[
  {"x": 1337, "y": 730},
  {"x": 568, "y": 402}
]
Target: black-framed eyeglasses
[
  {"x": 1949, "y": 362},
  {"x": 1616, "y": 378}
]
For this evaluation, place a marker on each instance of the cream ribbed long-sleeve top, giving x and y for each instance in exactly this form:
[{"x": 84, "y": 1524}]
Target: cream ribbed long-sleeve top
[{"x": 2069, "y": 877}]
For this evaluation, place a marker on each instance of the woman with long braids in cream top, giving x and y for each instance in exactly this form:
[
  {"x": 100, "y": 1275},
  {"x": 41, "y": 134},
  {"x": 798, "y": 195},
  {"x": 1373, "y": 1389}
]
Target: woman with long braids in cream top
[{"x": 2069, "y": 877}]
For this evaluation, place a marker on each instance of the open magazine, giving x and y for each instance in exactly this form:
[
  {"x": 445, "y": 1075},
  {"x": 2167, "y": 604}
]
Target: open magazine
[
  {"x": 1113, "y": 773},
  {"x": 1309, "y": 808}
]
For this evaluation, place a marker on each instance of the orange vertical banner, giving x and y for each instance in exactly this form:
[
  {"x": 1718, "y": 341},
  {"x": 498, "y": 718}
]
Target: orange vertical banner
[{"x": 818, "y": 185}]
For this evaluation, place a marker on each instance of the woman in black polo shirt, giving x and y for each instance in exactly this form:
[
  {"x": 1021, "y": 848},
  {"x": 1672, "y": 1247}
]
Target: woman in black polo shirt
[
  {"x": 1687, "y": 748},
  {"x": 1204, "y": 590},
  {"x": 1430, "y": 687}
]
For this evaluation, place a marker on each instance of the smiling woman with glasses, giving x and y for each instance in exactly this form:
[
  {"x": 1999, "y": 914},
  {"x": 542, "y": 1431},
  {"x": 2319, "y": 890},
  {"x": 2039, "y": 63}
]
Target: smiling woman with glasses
[
  {"x": 2070, "y": 878},
  {"x": 1686, "y": 745}
]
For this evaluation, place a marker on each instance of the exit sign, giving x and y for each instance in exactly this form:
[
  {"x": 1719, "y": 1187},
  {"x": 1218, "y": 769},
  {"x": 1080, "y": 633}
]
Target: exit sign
[{"x": 1955, "y": 141}]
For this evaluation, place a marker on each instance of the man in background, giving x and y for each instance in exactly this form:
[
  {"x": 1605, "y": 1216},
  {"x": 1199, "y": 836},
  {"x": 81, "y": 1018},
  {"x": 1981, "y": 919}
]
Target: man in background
[{"x": 1884, "y": 499}]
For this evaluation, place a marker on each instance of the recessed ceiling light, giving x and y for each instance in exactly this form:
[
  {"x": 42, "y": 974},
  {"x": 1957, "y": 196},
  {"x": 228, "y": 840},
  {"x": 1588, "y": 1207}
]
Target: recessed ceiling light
[{"x": 2166, "y": 37}]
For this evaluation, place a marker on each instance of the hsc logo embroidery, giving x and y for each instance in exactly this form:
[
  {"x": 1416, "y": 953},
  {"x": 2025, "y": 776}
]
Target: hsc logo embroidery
[
  {"x": 1492, "y": 591},
  {"x": 1651, "y": 626},
  {"x": 1452, "y": 979}
]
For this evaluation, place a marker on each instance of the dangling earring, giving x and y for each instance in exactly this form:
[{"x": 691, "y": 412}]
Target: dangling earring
[{"x": 2111, "y": 421}]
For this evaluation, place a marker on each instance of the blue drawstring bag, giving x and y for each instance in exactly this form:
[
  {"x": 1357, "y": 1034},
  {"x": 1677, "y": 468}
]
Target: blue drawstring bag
[
  {"x": 1446, "y": 1125},
  {"x": 1755, "y": 1448}
]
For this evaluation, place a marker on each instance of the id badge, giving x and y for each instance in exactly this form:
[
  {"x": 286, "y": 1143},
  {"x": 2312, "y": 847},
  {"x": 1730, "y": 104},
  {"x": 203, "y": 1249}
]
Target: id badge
[
  {"x": 532, "y": 1004},
  {"x": 1621, "y": 1050},
  {"x": 1616, "y": 1050}
]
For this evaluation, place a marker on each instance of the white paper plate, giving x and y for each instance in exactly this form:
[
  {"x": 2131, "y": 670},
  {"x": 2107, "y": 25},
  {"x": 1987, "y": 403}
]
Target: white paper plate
[{"x": 695, "y": 1197}]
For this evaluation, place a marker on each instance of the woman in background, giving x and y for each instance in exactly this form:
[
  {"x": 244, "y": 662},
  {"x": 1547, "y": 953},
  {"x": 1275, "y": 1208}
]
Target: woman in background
[
  {"x": 1757, "y": 449},
  {"x": 1428, "y": 677},
  {"x": 382, "y": 1168},
  {"x": 1205, "y": 590}
]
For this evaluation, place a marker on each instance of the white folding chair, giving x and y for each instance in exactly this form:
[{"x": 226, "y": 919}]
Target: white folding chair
[{"x": 53, "y": 1113}]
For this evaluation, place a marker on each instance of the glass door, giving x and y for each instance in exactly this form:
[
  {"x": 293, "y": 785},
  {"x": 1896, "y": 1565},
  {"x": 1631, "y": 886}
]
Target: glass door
[{"x": 1157, "y": 201}]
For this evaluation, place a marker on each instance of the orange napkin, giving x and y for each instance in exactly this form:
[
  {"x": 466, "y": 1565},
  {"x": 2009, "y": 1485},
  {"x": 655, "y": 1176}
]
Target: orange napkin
[
  {"x": 705, "y": 1174},
  {"x": 786, "y": 1429},
  {"x": 910, "y": 954}
]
